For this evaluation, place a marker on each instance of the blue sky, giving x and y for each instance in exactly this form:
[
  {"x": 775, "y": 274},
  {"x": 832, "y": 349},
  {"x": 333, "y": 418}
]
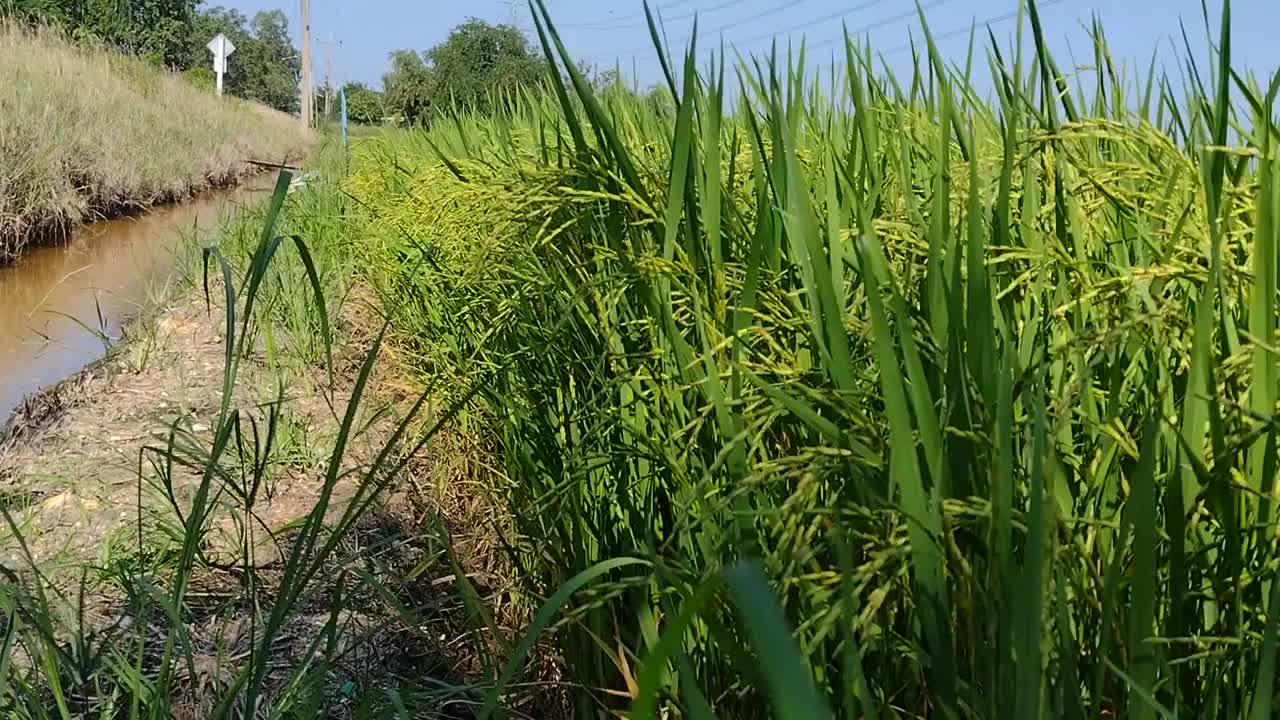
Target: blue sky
[{"x": 609, "y": 32}]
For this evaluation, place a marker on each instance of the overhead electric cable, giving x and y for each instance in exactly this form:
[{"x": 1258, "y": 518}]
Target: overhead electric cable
[
  {"x": 994, "y": 20},
  {"x": 752, "y": 18},
  {"x": 841, "y": 15},
  {"x": 644, "y": 21},
  {"x": 607, "y": 22}
]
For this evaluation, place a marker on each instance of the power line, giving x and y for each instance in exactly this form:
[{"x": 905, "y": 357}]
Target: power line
[
  {"x": 752, "y": 18},
  {"x": 662, "y": 21},
  {"x": 606, "y": 22},
  {"x": 757, "y": 16},
  {"x": 993, "y": 20},
  {"x": 632, "y": 20},
  {"x": 840, "y": 15}
]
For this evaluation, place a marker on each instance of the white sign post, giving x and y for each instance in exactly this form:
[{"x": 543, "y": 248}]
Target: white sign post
[{"x": 221, "y": 46}]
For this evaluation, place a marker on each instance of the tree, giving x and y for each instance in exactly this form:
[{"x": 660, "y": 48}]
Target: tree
[
  {"x": 364, "y": 105},
  {"x": 157, "y": 30},
  {"x": 479, "y": 62},
  {"x": 270, "y": 62},
  {"x": 473, "y": 67},
  {"x": 265, "y": 65},
  {"x": 205, "y": 26},
  {"x": 610, "y": 80},
  {"x": 408, "y": 86}
]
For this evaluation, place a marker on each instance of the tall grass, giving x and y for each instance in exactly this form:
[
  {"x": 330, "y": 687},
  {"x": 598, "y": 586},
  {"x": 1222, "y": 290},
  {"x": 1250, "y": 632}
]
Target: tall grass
[
  {"x": 253, "y": 646},
  {"x": 899, "y": 402},
  {"x": 86, "y": 132}
]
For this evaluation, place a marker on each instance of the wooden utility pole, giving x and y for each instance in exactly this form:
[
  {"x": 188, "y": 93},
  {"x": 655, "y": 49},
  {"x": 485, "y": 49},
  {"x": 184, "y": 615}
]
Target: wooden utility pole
[
  {"x": 328, "y": 75},
  {"x": 308, "y": 91}
]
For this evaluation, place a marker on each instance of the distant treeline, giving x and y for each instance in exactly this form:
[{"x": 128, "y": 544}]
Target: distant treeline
[
  {"x": 474, "y": 67},
  {"x": 475, "y": 64},
  {"x": 173, "y": 34}
]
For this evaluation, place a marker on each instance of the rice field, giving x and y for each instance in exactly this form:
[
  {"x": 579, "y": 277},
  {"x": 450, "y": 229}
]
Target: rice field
[
  {"x": 773, "y": 395},
  {"x": 883, "y": 398}
]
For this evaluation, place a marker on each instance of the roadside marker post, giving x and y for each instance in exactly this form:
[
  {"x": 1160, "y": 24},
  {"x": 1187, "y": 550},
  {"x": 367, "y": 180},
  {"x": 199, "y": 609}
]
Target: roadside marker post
[
  {"x": 342, "y": 102},
  {"x": 221, "y": 46}
]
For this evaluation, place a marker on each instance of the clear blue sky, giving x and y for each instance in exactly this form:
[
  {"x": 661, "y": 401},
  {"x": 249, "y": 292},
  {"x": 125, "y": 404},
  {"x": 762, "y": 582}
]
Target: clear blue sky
[{"x": 606, "y": 32}]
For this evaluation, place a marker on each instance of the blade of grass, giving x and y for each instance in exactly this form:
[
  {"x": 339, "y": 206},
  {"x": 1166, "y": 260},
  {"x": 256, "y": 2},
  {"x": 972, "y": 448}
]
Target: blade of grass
[{"x": 785, "y": 672}]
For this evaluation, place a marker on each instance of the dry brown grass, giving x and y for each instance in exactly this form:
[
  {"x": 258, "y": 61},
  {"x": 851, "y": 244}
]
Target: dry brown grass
[{"x": 86, "y": 133}]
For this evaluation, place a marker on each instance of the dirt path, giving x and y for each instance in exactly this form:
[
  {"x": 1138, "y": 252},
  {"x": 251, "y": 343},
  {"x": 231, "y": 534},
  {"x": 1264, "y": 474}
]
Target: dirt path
[
  {"x": 72, "y": 481},
  {"x": 76, "y": 468}
]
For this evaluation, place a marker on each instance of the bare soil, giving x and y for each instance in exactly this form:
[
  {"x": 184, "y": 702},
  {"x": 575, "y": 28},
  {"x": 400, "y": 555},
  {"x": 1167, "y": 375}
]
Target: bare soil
[
  {"x": 77, "y": 479},
  {"x": 74, "y": 459}
]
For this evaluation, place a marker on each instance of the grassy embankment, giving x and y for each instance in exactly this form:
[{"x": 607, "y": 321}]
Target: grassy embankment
[
  {"x": 931, "y": 408},
  {"x": 86, "y": 132},
  {"x": 148, "y": 522}
]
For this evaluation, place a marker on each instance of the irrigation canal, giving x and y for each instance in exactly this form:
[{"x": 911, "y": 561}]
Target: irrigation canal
[{"x": 62, "y": 304}]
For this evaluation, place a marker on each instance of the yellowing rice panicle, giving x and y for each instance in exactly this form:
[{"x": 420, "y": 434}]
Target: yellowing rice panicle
[{"x": 970, "y": 395}]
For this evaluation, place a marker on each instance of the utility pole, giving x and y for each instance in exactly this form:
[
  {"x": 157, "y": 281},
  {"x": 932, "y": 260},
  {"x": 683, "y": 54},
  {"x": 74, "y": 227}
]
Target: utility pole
[
  {"x": 328, "y": 74},
  {"x": 515, "y": 20},
  {"x": 308, "y": 92}
]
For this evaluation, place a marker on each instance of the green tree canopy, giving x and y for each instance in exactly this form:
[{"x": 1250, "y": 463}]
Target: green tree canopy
[
  {"x": 270, "y": 62},
  {"x": 477, "y": 63},
  {"x": 478, "y": 60},
  {"x": 408, "y": 86},
  {"x": 155, "y": 29},
  {"x": 265, "y": 65},
  {"x": 364, "y": 105}
]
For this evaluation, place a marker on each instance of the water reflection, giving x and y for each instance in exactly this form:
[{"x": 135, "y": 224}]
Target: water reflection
[{"x": 59, "y": 303}]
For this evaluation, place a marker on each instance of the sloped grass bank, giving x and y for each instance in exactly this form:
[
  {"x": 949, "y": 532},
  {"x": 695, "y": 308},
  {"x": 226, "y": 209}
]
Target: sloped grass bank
[{"x": 86, "y": 133}]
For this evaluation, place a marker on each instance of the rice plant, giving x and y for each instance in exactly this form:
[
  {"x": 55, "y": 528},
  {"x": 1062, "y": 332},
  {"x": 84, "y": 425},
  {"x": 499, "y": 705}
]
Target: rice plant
[
  {"x": 878, "y": 397},
  {"x": 868, "y": 396}
]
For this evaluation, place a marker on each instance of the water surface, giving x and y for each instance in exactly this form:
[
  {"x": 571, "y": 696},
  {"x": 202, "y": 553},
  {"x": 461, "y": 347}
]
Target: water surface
[{"x": 61, "y": 303}]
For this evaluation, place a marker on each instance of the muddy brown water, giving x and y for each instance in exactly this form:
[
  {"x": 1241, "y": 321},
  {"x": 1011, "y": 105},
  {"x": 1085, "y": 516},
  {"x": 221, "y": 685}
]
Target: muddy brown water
[{"x": 61, "y": 304}]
